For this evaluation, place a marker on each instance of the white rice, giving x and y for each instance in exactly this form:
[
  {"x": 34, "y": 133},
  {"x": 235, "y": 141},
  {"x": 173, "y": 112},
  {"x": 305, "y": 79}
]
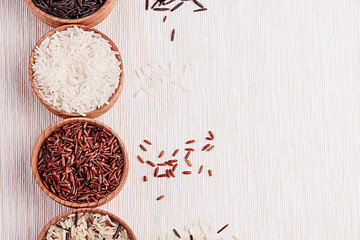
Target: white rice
[
  {"x": 102, "y": 228},
  {"x": 76, "y": 71}
]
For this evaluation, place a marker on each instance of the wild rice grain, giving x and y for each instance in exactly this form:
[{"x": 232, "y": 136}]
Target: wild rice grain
[
  {"x": 199, "y": 4},
  {"x": 187, "y": 155},
  {"x": 176, "y": 233},
  {"x": 209, "y": 138},
  {"x": 177, "y": 6},
  {"x": 187, "y": 172},
  {"x": 147, "y": 5},
  {"x": 189, "y": 149},
  {"x": 210, "y": 173},
  {"x": 172, "y": 35},
  {"x": 161, "y": 175},
  {"x": 152, "y": 7},
  {"x": 161, "y": 9},
  {"x": 190, "y": 141},
  {"x": 161, "y": 154},
  {"x": 161, "y": 197},
  {"x": 145, "y": 179},
  {"x": 164, "y": 19},
  {"x": 171, "y": 1},
  {"x": 200, "y": 10},
  {"x": 222, "y": 229}
]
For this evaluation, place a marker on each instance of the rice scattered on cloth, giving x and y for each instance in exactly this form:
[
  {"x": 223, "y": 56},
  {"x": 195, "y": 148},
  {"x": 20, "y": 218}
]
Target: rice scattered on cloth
[
  {"x": 76, "y": 71},
  {"x": 198, "y": 232},
  {"x": 101, "y": 228}
]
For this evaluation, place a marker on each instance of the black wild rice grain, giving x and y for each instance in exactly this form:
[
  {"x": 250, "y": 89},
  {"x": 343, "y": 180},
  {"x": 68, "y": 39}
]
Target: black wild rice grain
[
  {"x": 76, "y": 218},
  {"x": 199, "y": 4},
  {"x": 222, "y": 229},
  {"x": 69, "y": 9},
  {"x": 161, "y": 9},
  {"x": 117, "y": 233},
  {"x": 172, "y": 35},
  {"x": 170, "y": 1},
  {"x": 200, "y": 10},
  {"x": 176, "y": 233},
  {"x": 177, "y": 6},
  {"x": 154, "y": 5},
  {"x": 80, "y": 162},
  {"x": 147, "y": 5}
]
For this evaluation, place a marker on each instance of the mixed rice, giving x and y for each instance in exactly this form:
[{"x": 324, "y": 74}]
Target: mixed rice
[{"x": 85, "y": 226}]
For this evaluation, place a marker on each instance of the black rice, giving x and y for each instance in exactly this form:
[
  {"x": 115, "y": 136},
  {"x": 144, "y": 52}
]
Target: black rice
[{"x": 69, "y": 9}]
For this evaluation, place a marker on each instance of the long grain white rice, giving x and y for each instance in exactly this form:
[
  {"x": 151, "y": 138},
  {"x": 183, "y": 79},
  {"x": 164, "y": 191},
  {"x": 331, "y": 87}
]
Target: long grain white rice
[
  {"x": 76, "y": 71},
  {"x": 102, "y": 228}
]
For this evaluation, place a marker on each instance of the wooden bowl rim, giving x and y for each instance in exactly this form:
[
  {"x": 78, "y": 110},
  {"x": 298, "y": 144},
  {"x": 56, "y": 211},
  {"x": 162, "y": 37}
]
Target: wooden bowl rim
[
  {"x": 98, "y": 111},
  {"x": 63, "y": 21},
  {"x": 86, "y": 210},
  {"x": 38, "y": 180}
]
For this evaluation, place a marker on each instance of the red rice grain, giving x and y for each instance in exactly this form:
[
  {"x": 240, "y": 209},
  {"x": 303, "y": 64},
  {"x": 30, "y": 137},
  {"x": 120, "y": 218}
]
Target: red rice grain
[
  {"x": 161, "y": 154},
  {"x": 205, "y": 147},
  {"x": 143, "y": 148},
  {"x": 188, "y": 162},
  {"x": 171, "y": 173},
  {"x": 187, "y": 172},
  {"x": 210, "y": 148},
  {"x": 201, "y": 168},
  {"x": 140, "y": 159},
  {"x": 156, "y": 172},
  {"x": 161, "y": 197},
  {"x": 175, "y": 152},
  {"x": 151, "y": 163},
  {"x": 211, "y": 135}
]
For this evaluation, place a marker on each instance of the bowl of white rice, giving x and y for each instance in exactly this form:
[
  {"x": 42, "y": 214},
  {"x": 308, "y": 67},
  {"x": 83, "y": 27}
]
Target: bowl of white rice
[
  {"x": 76, "y": 71},
  {"x": 86, "y": 223}
]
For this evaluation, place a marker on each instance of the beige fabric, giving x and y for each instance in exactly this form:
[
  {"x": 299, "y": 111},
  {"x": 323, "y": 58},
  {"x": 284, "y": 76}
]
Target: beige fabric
[{"x": 276, "y": 81}]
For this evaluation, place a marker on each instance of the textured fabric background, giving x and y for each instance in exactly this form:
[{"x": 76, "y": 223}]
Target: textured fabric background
[{"x": 276, "y": 81}]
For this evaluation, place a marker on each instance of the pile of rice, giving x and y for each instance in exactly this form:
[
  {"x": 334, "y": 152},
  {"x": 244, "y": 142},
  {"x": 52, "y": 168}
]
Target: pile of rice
[
  {"x": 76, "y": 71},
  {"x": 89, "y": 226}
]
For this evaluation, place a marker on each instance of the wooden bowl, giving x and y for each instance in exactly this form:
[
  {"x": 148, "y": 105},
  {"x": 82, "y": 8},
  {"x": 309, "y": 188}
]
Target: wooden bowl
[
  {"x": 91, "y": 20},
  {"x": 91, "y": 210},
  {"x": 34, "y": 162},
  {"x": 93, "y": 114}
]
